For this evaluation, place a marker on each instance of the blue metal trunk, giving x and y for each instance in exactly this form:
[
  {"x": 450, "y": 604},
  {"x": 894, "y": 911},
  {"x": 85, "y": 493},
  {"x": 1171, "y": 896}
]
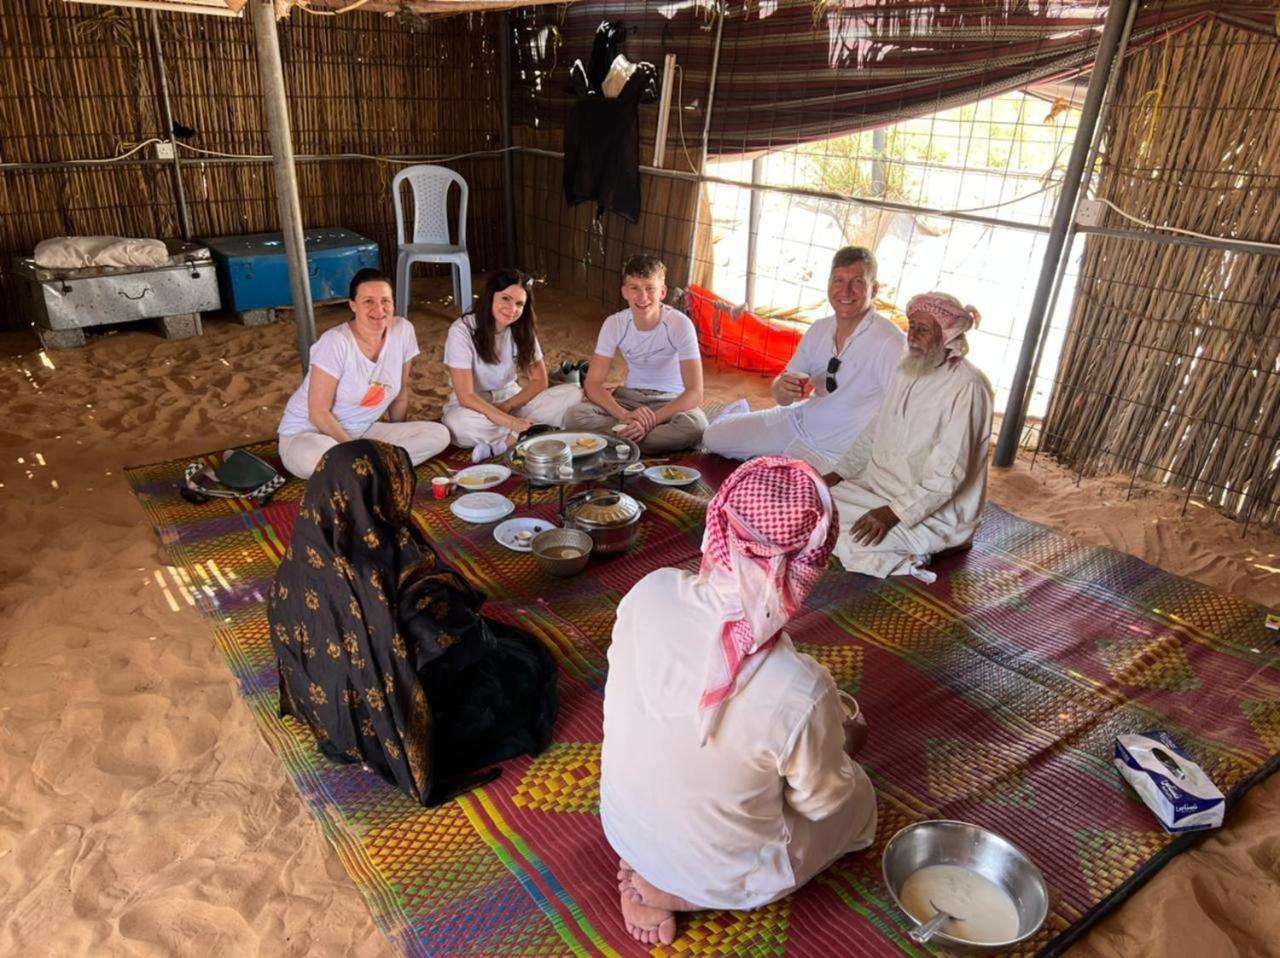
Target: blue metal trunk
[{"x": 253, "y": 272}]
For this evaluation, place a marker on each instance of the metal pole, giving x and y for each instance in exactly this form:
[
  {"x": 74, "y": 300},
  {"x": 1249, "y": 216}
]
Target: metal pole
[
  {"x": 706, "y": 134},
  {"x": 166, "y": 117},
  {"x": 753, "y": 227},
  {"x": 508, "y": 174},
  {"x": 271, "y": 76},
  {"x": 1113, "y": 80},
  {"x": 1011, "y": 428}
]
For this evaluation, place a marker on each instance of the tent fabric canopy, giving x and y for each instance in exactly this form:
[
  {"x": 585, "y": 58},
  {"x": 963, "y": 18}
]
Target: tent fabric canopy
[
  {"x": 793, "y": 71},
  {"x": 422, "y": 7}
]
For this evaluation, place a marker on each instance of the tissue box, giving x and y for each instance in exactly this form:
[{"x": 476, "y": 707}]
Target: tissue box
[{"x": 1174, "y": 787}]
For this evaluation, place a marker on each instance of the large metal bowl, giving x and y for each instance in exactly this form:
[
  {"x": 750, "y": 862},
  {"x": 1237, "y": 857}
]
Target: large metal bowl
[
  {"x": 974, "y": 848},
  {"x": 555, "y": 539}
]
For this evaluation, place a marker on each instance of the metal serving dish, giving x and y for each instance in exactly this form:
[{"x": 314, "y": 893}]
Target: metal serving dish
[
  {"x": 610, "y": 517},
  {"x": 978, "y": 850},
  {"x": 544, "y": 458},
  {"x": 545, "y": 547}
]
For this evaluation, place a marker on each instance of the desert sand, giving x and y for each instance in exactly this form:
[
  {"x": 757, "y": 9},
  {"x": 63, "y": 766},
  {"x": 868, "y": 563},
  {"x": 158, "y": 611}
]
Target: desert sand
[{"x": 141, "y": 813}]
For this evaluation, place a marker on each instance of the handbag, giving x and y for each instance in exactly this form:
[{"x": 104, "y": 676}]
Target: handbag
[{"x": 240, "y": 475}]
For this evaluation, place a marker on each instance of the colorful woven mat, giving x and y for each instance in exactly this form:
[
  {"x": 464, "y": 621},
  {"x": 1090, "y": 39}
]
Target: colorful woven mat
[{"x": 994, "y": 696}]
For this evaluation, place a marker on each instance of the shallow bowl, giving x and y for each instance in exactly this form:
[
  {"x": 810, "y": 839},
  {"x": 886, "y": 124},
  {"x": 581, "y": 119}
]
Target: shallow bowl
[
  {"x": 974, "y": 848},
  {"x": 554, "y": 539}
]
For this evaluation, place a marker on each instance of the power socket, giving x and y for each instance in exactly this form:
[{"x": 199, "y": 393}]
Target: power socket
[
  {"x": 1089, "y": 213},
  {"x": 164, "y": 150}
]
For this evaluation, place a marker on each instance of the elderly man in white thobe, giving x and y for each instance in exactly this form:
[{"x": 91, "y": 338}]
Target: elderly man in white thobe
[
  {"x": 727, "y": 778},
  {"x": 914, "y": 482}
]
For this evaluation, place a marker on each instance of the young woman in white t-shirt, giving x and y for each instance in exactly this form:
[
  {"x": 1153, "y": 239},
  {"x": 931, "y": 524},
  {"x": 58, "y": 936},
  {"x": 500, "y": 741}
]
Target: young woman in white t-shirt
[
  {"x": 487, "y": 353},
  {"x": 358, "y": 384}
]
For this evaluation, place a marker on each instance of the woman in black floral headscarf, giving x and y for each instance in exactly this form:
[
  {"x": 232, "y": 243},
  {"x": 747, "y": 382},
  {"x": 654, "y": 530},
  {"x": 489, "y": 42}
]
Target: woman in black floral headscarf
[{"x": 382, "y": 649}]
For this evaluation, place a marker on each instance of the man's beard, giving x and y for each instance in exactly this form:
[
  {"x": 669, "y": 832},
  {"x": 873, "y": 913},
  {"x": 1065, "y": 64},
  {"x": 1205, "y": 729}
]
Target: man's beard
[{"x": 917, "y": 366}]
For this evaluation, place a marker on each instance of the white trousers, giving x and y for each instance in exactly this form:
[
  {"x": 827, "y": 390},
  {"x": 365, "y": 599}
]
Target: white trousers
[
  {"x": 468, "y": 427},
  {"x": 769, "y": 432},
  {"x": 302, "y": 451},
  {"x": 903, "y": 550}
]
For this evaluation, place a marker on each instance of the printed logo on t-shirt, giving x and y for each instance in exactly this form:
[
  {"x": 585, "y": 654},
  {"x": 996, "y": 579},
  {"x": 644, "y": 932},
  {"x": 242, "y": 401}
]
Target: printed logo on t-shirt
[{"x": 376, "y": 393}]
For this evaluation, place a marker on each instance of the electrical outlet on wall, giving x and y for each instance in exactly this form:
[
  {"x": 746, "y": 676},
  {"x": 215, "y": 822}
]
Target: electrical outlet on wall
[
  {"x": 1089, "y": 213},
  {"x": 164, "y": 150}
]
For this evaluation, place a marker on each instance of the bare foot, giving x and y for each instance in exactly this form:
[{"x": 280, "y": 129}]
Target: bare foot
[
  {"x": 625, "y": 871},
  {"x": 649, "y": 926},
  {"x": 653, "y": 897}
]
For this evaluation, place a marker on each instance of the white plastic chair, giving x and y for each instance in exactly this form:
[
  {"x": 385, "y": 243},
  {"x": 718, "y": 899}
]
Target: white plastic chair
[{"x": 430, "y": 242}]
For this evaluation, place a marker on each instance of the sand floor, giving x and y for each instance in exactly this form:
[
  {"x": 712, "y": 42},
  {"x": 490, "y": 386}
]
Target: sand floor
[{"x": 141, "y": 813}]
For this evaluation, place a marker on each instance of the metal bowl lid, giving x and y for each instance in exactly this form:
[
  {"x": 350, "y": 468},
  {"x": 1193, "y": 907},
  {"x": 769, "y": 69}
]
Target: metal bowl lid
[
  {"x": 603, "y": 507},
  {"x": 547, "y": 450}
]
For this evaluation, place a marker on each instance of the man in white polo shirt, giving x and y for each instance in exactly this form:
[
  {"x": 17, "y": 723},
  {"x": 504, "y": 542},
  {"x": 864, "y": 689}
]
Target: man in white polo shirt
[
  {"x": 833, "y": 384},
  {"x": 658, "y": 405}
]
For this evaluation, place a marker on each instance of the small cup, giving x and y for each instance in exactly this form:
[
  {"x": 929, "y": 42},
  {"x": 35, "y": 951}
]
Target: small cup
[
  {"x": 622, "y": 451},
  {"x": 849, "y": 705},
  {"x": 804, "y": 381},
  {"x": 440, "y": 487}
]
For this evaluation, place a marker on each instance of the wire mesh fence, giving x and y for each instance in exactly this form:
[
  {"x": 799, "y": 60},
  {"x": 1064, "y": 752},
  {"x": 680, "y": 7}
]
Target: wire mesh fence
[{"x": 953, "y": 197}]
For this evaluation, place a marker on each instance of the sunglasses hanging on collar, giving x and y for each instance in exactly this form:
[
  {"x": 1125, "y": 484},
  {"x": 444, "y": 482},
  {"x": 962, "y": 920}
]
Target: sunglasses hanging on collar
[{"x": 833, "y": 367}]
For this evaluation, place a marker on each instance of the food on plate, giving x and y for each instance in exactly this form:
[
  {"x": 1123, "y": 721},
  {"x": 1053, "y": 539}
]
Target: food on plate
[
  {"x": 672, "y": 474},
  {"x": 481, "y": 479},
  {"x": 587, "y": 442}
]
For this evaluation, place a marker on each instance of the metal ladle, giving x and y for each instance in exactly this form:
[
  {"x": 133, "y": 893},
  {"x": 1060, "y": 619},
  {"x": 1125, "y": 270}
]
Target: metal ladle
[{"x": 922, "y": 933}]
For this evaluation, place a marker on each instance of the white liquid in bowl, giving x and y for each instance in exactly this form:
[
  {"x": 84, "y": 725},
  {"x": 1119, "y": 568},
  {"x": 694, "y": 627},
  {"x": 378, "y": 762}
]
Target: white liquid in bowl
[{"x": 984, "y": 912}]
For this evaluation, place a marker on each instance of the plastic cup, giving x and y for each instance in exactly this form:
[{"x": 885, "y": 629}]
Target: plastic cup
[{"x": 440, "y": 487}]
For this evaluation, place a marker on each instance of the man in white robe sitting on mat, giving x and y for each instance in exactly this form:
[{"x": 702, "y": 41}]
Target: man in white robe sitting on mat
[
  {"x": 832, "y": 385},
  {"x": 727, "y": 778},
  {"x": 914, "y": 482}
]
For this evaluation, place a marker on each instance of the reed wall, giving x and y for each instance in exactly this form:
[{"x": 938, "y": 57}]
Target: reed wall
[
  {"x": 1171, "y": 367},
  {"x": 79, "y": 82}
]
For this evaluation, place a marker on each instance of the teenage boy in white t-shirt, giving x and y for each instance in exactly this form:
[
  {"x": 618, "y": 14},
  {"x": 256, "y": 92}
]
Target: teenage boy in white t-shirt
[{"x": 658, "y": 404}]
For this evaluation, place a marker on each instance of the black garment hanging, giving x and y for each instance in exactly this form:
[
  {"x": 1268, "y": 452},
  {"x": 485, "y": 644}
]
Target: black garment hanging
[{"x": 602, "y": 147}]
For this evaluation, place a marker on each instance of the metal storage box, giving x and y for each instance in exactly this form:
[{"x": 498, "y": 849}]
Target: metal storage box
[
  {"x": 64, "y": 302},
  {"x": 253, "y": 271}
]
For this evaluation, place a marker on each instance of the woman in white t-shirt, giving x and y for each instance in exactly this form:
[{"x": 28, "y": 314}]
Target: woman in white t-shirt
[
  {"x": 358, "y": 377},
  {"x": 487, "y": 352}
]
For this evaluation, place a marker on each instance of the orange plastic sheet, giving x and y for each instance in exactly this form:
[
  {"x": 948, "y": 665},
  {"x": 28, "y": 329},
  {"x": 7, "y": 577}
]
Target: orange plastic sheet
[{"x": 737, "y": 336}]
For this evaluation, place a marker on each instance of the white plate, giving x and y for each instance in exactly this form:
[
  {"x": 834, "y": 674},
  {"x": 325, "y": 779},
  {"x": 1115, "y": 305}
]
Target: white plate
[
  {"x": 482, "y": 507},
  {"x": 496, "y": 476},
  {"x": 572, "y": 438},
  {"x": 689, "y": 476},
  {"x": 505, "y": 532}
]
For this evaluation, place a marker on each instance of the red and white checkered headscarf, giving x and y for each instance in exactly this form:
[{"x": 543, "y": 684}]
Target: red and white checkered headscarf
[
  {"x": 954, "y": 319},
  {"x": 770, "y": 530}
]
